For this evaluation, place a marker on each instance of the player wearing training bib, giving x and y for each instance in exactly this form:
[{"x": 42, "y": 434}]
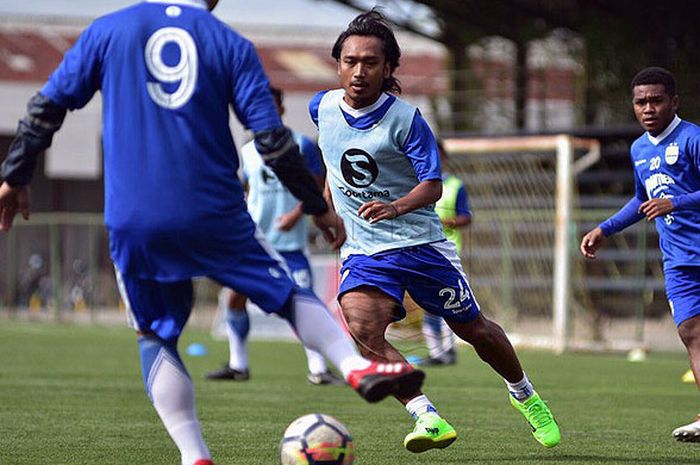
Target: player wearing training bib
[
  {"x": 666, "y": 160},
  {"x": 279, "y": 216},
  {"x": 168, "y": 72},
  {"x": 384, "y": 177}
]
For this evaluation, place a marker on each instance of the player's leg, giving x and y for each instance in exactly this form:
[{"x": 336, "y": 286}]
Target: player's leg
[
  {"x": 445, "y": 292},
  {"x": 237, "y": 330},
  {"x": 683, "y": 289},
  {"x": 370, "y": 296},
  {"x": 689, "y": 331},
  {"x": 300, "y": 268},
  {"x": 439, "y": 340},
  {"x": 263, "y": 276},
  {"x": 158, "y": 312}
]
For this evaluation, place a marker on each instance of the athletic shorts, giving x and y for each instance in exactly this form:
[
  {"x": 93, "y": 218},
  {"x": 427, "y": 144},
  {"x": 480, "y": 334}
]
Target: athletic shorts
[
  {"x": 432, "y": 275},
  {"x": 683, "y": 292},
  {"x": 164, "y": 307},
  {"x": 299, "y": 267}
]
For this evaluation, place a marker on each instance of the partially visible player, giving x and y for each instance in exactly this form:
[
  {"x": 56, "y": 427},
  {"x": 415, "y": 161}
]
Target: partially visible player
[
  {"x": 383, "y": 177},
  {"x": 666, "y": 161},
  {"x": 168, "y": 72},
  {"x": 455, "y": 216},
  {"x": 279, "y": 216}
]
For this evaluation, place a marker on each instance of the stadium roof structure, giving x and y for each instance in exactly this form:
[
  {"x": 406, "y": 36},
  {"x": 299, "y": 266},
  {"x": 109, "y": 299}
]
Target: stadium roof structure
[{"x": 297, "y": 60}]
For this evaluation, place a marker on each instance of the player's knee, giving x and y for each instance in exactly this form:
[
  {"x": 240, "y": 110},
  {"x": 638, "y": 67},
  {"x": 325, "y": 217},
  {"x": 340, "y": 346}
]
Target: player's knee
[
  {"x": 480, "y": 331},
  {"x": 689, "y": 331}
]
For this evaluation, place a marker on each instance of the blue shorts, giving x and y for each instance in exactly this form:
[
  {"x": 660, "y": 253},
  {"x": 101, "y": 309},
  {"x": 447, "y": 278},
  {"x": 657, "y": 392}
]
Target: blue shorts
[
  {"x": 164, "y": 307},
  {"x": 432, "y": 275},
  {"x": 683, "y": 292},
  {"x": 299, "y": 267}
]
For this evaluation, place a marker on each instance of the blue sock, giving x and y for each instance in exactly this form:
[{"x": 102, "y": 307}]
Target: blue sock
[
  {"x": 239, "y": 322},
  {"x": 153, "y": 351}
]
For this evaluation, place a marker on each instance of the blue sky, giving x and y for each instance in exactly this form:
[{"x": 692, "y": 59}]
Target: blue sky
[{"x": 295, "y": 12}]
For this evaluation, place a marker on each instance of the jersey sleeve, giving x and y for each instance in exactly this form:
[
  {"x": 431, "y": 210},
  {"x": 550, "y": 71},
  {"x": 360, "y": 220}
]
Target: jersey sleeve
[
  {"x": 462, "y": 207},
  {"x": 78, "y": 77},
  {"x": 311, "y": 154},
  {"x": 252, "y": 100},
  {"x": 314, "y": 103},
  {"x": 691, "y": 200},
  {"x": 421, "y": 149}
]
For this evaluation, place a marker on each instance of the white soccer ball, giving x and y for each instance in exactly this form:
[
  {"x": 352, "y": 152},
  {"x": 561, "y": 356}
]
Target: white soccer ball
[{"x": 317, "y": 439}]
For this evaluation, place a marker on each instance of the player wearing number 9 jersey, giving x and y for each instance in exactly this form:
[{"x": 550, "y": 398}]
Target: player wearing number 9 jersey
[{"x": 168, "y": 72}]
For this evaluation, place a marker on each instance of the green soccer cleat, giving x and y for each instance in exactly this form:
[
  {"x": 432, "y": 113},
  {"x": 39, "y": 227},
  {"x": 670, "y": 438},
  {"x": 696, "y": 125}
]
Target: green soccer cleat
[
  {"x": 544, "y": 426},
  {"x": 431, "y": 432}
]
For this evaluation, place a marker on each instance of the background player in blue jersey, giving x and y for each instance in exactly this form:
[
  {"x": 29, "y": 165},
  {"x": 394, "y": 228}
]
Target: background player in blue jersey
[
  {"x": 383, "y": 177},
  {"x": 168, "y": 72},
  {"x": 455, "y": 216},
  {"x": 279, "y": 216},
  {"x": 666, "y": 160}
]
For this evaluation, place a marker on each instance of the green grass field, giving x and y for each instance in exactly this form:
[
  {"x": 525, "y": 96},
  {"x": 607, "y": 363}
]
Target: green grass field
[{"x": 74, "y": 395}]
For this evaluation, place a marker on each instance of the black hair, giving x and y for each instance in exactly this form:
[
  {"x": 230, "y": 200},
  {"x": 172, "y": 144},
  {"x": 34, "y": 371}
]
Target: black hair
[
  {"x": 656, "y": 75},
  {"x": 441, "y": 147},
  {"x": 373, "y": 24},
  {"x": 276, "y": 94}
]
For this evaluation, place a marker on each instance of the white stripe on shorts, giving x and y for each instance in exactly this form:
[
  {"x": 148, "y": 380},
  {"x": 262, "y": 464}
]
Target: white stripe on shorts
[{"x": 130, "y": 318}]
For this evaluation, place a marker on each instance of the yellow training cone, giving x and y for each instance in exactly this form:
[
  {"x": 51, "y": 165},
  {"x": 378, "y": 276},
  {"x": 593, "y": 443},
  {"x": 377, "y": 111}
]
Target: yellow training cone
[{"x": 688, "y": 377}]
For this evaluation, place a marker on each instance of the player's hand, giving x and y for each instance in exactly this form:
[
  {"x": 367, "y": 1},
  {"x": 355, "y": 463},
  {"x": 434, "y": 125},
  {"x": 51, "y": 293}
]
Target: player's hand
[
  {"x": 288, "y": 220},
  {"x": 591, "y": 242},
  {"x": 375, "y": 211},
  {"x": 654, "y": 208},
  {"x": 331, "y": 225},
  {"x": 13, "y": 200}
]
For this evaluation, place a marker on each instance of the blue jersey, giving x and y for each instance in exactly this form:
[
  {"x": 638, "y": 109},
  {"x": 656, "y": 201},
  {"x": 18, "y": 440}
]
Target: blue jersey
[
  {"x": 378, "y": 153},
  {"x": 268, "y": 199},
  {"x": 668, "y": 166},
  {"x": 168, "y": 73}
]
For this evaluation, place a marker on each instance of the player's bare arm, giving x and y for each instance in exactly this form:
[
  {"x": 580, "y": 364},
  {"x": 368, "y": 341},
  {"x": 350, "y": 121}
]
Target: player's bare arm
[
  {"x": 460, "y": 221},
  {"x": 423, "y": 194},
  {"x": 288, "y": 220},
  {"x": 591, "y": 242},
  {"x": 655, "y": 208},
  {"x": 12, "y": 201}
]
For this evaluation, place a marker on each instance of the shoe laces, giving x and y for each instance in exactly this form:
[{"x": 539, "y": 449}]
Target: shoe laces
[{"x": 539, "y": 414}]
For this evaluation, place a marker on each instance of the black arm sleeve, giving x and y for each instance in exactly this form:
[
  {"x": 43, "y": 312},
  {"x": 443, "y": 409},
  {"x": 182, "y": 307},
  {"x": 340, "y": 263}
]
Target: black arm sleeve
[
  {"x": 34, "y": 134},
  {"x": 281, "y": 153}
]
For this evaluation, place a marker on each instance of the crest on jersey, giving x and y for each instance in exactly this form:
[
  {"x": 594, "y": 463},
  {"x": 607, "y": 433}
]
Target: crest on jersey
[
  {"x": 672, "y": 152},
  {"x": 359, "y": 168}
]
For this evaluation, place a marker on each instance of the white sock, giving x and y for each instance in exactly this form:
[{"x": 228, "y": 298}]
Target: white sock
[
  {"x": 521, "y": 390},
  {"x": 432, "y": 336},
  {"x": 447, "y": 337},
  {"x": 172, "y": 394},
  {"x": 420, "y": 405},
  {"x": 315, "y": 362},
  {"x": 237, "y": 339},
  {"x": 320, "y": 332}
]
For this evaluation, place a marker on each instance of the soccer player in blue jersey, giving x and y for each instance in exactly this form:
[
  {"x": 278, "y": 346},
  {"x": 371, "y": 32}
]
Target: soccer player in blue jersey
[
  {"x": 666, "y": 160},
  {"x": 279, "y": 216},
  {"x": 168, "y": 71},
  {"x": 383, "y": 178}
]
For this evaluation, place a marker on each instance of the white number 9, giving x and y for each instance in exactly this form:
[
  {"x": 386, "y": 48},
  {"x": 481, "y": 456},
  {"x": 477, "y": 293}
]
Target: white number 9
[{"x": 185, "y": 71}]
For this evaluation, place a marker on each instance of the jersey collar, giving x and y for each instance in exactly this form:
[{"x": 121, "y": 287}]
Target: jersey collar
[
  {"x": 656, "y": 140},
  {"x": 356, "y": 113},
  {"x": 193, "y": 3}
]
